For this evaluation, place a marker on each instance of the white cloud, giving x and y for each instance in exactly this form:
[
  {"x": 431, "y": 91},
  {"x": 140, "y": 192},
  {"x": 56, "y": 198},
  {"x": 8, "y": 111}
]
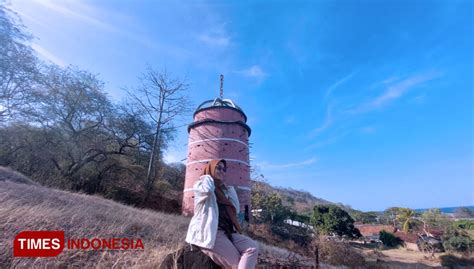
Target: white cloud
[
  {"x": 367, "y": 130},
  {"x": 47, "y": 55},
  {"x": 420, "y": 99},
  {"x": 216, "y": 35},
  {"x": 95, "y": 18},
  {"x": 329, "y": 140},
  {"x": 215, "y": 40},
  {"x": 254, "y": 71},
  {"x": 77, "y": 10},
  {"x": 399, "y": 89},
  {"x": 288, "y": 165},
  {"x": 394, "y": 91},
  {"x": 339, "y": 83},
  {"x": 389, "y": 80},
  {"x": 26, "y": 16},
  {"x": 327, "y": 122}
]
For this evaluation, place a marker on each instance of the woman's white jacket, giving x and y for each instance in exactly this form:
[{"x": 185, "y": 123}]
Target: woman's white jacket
[{"x": 203, "y": 226}]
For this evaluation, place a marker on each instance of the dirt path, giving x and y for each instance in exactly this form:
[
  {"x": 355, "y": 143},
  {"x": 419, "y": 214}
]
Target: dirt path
[{"x": 402, "y": 255}]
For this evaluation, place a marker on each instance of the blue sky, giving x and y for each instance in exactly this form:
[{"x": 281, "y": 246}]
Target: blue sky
[{"x": 368, "y": 103}]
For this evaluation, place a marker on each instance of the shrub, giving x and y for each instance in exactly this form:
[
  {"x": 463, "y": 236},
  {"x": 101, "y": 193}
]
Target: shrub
[
  {"x": 464, "y": 224},
  {"x": 457, "y": 240},
  {"x": 339, "y": 254},
  {"x": 331, "y": 219},
  {"x": 452, "y": 261},
  {"x": 162, "y": 186},
  {"x": 294, "y": 239},
  {"x": 301, "y": 236},
  {"x": 389, "y": 239}
]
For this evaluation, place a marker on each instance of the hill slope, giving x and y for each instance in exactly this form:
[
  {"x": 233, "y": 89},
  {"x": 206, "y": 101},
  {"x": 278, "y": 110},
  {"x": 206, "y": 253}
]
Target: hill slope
[
  {"x": 33, "y": 207},
  {"x": 29, "y": 206},
  {"x": 302, "y": 201}
]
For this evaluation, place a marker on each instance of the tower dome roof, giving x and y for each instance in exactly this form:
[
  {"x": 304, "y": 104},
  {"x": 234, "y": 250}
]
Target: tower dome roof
[{"x": 219, "y": 103}]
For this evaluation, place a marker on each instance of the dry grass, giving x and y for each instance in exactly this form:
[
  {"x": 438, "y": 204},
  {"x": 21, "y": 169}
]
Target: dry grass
[
  {"x": 339, "y": 253},
  {"x": 274, "y": 257},
  {"x": 406, "y": 258},
  {"x": 6, "y": 174},
  {"x": 32, "y": 207},
  {"x": 25, "y": 205}
]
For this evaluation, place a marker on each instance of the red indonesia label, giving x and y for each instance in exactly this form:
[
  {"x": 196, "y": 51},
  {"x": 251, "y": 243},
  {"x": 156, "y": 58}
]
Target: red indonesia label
[{"x": 38, "y": 243}]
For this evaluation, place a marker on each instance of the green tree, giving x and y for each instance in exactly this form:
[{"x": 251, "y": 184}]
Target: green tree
[
  {"x": 464, "y": 224},
  {"x": 434, "y": 219},
  {"x": 457, "y": 240},
  {"x": 390, "y": 216},
  {"x": 364, "y": 217},
  {"x": 259, "y": 190},
  {"x": 406, "y": 216},
  {"x": 274, "y": 210},
  {"x": 389, "y": 239},
  {"x": 331, "y": 219}
]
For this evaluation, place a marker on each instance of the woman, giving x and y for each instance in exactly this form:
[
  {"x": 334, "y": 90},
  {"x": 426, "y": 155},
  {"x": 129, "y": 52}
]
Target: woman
[{"x": 214, "y": 227}]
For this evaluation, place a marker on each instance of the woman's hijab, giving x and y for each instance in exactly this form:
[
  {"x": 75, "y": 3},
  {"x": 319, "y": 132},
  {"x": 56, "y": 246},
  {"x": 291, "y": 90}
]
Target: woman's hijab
[{"x": 210, "y": 169}]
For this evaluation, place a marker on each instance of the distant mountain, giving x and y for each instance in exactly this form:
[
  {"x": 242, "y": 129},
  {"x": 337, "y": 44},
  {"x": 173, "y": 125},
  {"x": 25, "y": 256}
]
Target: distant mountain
[{"x": 302, "y": 201}]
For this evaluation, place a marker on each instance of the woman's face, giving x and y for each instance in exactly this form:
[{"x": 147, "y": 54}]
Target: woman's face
[{"x": 220, "y": 171}]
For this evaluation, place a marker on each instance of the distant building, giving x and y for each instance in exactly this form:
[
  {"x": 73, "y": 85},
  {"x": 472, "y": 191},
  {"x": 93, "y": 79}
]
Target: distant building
[
  {"x": 298, "y": 224},
  {"x": 371, "y": 232},
  {"x": 373, "y": 229}
]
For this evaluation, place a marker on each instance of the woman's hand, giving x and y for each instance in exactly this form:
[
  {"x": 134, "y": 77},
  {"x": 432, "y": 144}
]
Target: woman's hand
[
  {"x": 238, "y": 229},
  {"x": 217, "y": 182}
]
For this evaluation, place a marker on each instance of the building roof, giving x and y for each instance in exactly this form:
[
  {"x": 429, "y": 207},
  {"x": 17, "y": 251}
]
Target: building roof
[
  {"x": 220, "y": 102},
  {"x": 373, "y": 229},
  {"x": 406, "y": 237}
]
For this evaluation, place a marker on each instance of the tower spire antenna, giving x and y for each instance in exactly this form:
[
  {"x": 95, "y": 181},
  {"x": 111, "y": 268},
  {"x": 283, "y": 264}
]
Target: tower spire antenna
[{"x": 222, "y": 86}]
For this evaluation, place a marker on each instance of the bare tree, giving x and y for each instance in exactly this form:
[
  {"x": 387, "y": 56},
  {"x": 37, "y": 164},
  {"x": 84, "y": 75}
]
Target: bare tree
[
  {"x": 174, "y": 173},
  {"x": 76, "y": 136},
  {"x": 165, "y": 102},
  {"x": 18, "y": 66},
  {"x": 82, "y": 125},
  {"x": 75, "y": 108}
]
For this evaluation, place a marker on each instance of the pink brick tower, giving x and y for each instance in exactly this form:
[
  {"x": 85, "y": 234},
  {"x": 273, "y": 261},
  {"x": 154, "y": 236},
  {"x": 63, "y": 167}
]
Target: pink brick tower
[{"x": 219, "y": 131}]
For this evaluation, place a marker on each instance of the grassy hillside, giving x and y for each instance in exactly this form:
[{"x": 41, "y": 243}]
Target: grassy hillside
[
  {"x": 29, "y": 206},
  {"x": 32, "y": 207},
  {"x": 302, "y": 201}
]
